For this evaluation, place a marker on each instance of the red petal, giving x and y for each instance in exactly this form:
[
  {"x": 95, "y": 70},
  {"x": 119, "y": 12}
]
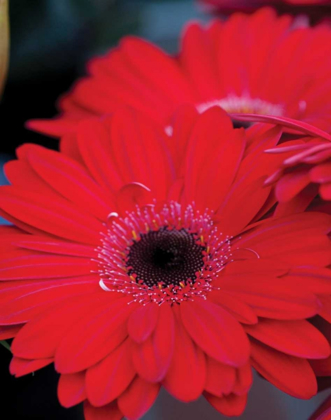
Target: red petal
[
  {"x": 248, "y": 188},
  {"x": 70, "y": 180},
  {"x": 229, "y": 405},
  {"x": 142, "y": 322},
  {"x": 321, "y": 173},
  {"x": 21, "y": 301},
  {"x": 109, "y": 378},
  {"x": 291, "y": 184},
  {"x": 321, "y": 367},
  {"x": 37, "y": 340},
  {"x": 260, "y": 137},
  {"x": 269, "y": 296},
  {"x": 284, "y": 239},
  {"x": 256, "y": 266},
  {"x": 175, "y": 86},
  {"x": 290, "y": 374},
  {"x": 58, "y": 218},
  {"x": 71, "y": 389},
  {"x": 203, "y": 74},
  {"x": 300, "y": 126},
  {"x": 186, "y": 377},
  {"x": 69, "y": 147},
  {"x": 93, "y": 338},
  {"x": 152, "y": 358},
  {"x": 21, "y": 225},
  {"x": 317, "y": 280},
  {"x": 20, "y": 367},
  {"x": 242, "y": 312},
  {"x": 299, "y": 203},
  {"x": 43, "y": 266},
  {"x": 10, "y": 234},
  {"x": 9, "y": 331},
  {"x": 148, "y": 160},
  {"x": 164, "y": 337},
  {"x": 220, "y": 378},
  {"x": 216, "y": 332},
  {"x": 138, "y": 398},
  {"x": 244, "y": 380},
  {"x": 56, "y": 127},
  {"x": 298, "y": 338},
  {"x": 108, "y": 412},
  {"x": 219, "y": 127},
  {"x": 325, "y": 311},
  {"x": 182, "y": 123},
  {"x": 97, "y": 154},
  {"x": 325, "y": 191},
  {"x": 272, "y": 300},
  {"x": 131, "y": 195},
  {"x": 20, "y": 174},
  {"x": 53, "y": 246},
  {"x": 222, "y": 167}
]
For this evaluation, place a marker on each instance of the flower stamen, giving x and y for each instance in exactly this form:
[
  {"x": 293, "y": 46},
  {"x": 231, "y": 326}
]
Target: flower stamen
[{"x": 162, "y": 255}]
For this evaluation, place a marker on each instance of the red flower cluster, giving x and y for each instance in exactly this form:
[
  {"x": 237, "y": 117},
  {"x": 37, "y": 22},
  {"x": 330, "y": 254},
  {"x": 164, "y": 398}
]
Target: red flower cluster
[
  {"x": 248, "y": 64},
  {"x": 162, "y": 247},
  {"x": 140, "y": 259}
]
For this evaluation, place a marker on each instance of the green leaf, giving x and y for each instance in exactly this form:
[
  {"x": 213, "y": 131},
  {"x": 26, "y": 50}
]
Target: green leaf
[{"x": 5, "y": 344}]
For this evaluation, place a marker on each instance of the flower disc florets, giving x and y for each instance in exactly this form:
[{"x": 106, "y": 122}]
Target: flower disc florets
[
  {"x": 162, "y": 254},
  {"x": 244, "y": 104}
]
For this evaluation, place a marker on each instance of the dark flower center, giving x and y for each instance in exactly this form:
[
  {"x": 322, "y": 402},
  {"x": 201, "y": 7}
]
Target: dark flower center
[
  {"x": 165, "y": 257},
  {"x": 162, "y": 254}
]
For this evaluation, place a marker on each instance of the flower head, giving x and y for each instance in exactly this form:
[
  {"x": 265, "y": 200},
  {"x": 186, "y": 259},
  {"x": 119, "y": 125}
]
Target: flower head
[
  {"x": 225, "y": 64},
  {"x": 139, "y": 260}
]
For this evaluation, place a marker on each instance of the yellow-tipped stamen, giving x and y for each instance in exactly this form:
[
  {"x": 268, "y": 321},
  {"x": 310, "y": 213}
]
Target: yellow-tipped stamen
[{"x": 155, "y": 224}]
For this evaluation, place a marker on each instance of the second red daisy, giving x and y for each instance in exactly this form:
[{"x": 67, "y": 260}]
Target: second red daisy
[{"x": 260, "y": 64}]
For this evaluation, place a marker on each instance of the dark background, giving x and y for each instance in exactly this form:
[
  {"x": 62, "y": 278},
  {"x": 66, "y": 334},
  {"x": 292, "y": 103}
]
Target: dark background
[
  {"x": 50, "y": 42},
  {"x": 52, "y": 39}
]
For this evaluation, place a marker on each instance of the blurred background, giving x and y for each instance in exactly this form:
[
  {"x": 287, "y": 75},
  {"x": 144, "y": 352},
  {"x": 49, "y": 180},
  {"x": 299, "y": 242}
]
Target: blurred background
[{"x": 50, "y": 42}]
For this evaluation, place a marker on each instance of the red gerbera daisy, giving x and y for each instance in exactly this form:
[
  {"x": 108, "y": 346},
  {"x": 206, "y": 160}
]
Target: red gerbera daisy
[
  {"x": 139, "y": 259},
  {"x": 248, "y": 64}
]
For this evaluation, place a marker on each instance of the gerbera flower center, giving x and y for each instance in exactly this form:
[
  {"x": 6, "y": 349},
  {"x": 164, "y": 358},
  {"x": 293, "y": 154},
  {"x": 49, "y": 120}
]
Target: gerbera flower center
[
  {"x": 165, "y": 256},
  {"x": 244, "y": 105},
  {"x": 162, "y": 254}
]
